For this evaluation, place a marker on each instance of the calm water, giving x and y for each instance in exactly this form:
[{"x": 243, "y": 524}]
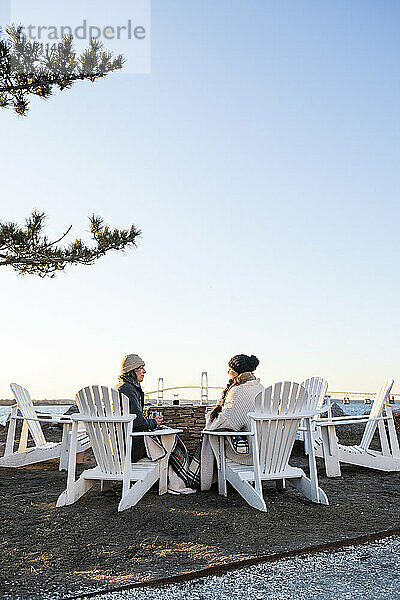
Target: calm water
[
  {"x": 359, "y": 408},
  {"x": 59, "y": 409},
  {"x": 354, "y": 408}
]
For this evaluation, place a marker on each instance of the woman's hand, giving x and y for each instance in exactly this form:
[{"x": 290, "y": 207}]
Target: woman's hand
[{"x": 214, "y": 413}]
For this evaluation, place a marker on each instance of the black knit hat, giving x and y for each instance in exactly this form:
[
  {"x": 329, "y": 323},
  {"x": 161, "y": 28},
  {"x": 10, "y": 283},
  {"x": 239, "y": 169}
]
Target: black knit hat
[{"x": 241, "y": 363}]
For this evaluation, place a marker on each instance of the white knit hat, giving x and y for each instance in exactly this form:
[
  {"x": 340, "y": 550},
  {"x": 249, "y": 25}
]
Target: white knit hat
[{"x": 130, "y": 362}]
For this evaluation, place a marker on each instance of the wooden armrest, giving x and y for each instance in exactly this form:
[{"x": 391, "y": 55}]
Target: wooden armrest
[
  {"x": 89, "y": 419},
  {"x": 55, "y": 419},
  {"x": 347, "y": 418},
  {"x": 216, "y": 432},
  {"x": 350, "y": 421},
  {"x": 44, "y": 415},
  {"x": 160, "y": 432},
  {"x": 305, "y": 414},
  {"x": 43, "y": 419}
]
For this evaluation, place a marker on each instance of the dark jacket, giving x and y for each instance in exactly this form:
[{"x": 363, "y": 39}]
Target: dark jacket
[{"x": 136, "y": 404}]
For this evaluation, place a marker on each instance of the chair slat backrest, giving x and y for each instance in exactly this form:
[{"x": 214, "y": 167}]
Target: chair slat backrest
[
  {"x": 316, "y": 388},
  {"x": 376, "y": 411},
  {"x": 107, "y": 439},
  {"x": 27, "y": 409},
  {"x": 276, "y": 437}
]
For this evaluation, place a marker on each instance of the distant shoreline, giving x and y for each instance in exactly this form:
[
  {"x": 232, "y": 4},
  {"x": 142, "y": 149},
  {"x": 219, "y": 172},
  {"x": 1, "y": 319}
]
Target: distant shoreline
[
  {"x": 43, "y": 402},
  {"x": 58, "y": 401}
]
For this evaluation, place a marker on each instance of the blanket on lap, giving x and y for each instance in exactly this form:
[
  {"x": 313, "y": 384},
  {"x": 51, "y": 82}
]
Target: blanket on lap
[{"x": 178, "y": 480}]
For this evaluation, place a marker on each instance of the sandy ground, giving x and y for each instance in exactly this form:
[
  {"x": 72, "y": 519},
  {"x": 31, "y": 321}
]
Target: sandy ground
[
  {"x": 57, "y": 553},
  {"x": 367, "y": 572}
]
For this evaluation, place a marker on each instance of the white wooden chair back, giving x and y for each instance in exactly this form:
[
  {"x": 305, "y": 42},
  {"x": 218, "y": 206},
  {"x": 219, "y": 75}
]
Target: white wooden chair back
[
  {"x": 276, "y": 436},
  {"x": 376, "y": 411},
  {"x": 316, "y": 388},
  {"x": 27, "y": 409},
  {"x": 107, "y": 438}
]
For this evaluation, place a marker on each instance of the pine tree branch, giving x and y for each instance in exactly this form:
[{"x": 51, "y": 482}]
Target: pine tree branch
[
  {"x": 27, "y": 69},
  {"x": 61, "y": 238},
  {"x": 49, "y": 81},
  {"x": 28, "y": 251}
]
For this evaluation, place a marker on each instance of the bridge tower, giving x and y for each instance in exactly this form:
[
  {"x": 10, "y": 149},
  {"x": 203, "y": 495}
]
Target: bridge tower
[
  {"x": 204, "y": 388},
  {"x": 160, "y": 393}
]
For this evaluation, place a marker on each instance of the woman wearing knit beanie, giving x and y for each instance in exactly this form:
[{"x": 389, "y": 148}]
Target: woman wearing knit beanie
[
  {"x": 240, "y": 371},
  {"x": 132, "y": 375},
  {"x": 231, "y": 412}
]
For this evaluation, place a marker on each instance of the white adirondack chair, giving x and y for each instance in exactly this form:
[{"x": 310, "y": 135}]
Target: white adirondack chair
[
  {"x": 316, "y": 388},
  {"x": 279, "y": 411},
  {"x": 387, "y": 459},
  {"x": 31, "y": 426},
  {"x": 105, "y": 414}
]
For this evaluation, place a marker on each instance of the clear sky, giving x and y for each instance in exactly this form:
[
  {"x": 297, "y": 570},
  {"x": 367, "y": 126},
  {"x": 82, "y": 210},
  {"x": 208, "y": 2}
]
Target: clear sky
[{"x": 260, "y": 157}]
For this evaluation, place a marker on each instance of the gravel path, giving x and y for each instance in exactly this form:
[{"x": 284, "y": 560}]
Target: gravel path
[{"x": 366, "y": 572}]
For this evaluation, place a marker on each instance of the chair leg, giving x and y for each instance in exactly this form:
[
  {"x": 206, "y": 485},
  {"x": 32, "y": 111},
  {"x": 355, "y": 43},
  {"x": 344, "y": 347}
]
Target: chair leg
[
  {"x": 306, "y": 447},
  {"x": 163, "y": 482},
  {"x": 393, "y": 439},
  {"x": 312, "y": 464},
  {"x": 64, "y": 448},
  {"x": 307, "y": 488},
  {"x": 75, "y": 491},
  {"x": 9, "y": 449},
  {"x": 330, "y": 451},
  {"x": 138, "y": 490},
  {"x": 222, "y": 489},
  {"x": 246, "y": 490},
  {"x": 383, "y": 439},
  {"x": 23, "y": 440},
  {"x": 281, "y": 485}
]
